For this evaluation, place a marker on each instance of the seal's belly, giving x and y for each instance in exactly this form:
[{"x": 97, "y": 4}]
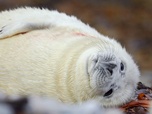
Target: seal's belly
[
  {"x": 40, "y": 63},
  {"x": 24, "y": 61}
]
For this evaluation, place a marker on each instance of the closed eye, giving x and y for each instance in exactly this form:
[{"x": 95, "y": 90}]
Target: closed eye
[{"x": 108, "y": 93}]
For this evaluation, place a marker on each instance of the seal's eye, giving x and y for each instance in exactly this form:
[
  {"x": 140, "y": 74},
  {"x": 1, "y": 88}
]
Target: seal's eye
[
  {"x": 108, "y": 93},
  {"x": 121, "y": 66}
]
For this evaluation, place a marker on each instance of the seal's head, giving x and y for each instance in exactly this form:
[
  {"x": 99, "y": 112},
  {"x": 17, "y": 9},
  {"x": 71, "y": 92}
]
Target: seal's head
[{"x": 113, "y": 76}]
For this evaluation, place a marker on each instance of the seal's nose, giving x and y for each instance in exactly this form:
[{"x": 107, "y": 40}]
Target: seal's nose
[{"x": 110, "y": 67}]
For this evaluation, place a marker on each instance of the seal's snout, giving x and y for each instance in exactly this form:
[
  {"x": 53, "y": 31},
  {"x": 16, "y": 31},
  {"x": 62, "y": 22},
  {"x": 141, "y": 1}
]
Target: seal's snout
[{"x": 110, "y": 67}]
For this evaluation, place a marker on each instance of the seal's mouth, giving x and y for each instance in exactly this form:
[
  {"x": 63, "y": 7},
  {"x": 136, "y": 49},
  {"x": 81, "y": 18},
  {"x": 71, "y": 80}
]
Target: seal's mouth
[{"x": 108, "y": 94}]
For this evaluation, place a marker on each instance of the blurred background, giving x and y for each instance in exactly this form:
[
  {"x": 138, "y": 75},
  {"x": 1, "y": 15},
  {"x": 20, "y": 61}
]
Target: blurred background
[{"x": 128, "y": 21}]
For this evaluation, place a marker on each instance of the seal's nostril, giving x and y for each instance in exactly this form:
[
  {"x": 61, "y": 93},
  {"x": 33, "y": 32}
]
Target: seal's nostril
[
  {"x": 110, "y": 71},
  {"x": 112, "y": 66}
]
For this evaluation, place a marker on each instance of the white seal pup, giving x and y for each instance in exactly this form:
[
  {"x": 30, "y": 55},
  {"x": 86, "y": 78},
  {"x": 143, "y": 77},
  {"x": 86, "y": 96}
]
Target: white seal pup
[{"x": 48, "y": 53}]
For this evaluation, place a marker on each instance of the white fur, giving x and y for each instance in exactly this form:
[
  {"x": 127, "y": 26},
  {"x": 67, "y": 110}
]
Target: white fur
[
  {"x": 49, "y": 53},
  {"x": 33, "y": 18}
]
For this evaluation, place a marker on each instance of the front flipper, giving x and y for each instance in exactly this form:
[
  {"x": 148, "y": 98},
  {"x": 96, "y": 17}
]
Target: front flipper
[{"x": 15, "y": 28}]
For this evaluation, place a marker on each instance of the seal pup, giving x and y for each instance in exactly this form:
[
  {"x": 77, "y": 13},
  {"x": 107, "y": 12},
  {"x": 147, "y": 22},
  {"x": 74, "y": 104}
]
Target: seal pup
[{"x": 48, "y": 53}]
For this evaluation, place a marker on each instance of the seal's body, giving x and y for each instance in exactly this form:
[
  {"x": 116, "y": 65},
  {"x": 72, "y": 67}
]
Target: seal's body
[{"x": 51, "y": 54}]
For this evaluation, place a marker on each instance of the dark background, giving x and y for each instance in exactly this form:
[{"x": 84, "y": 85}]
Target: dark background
[{"x": 128, "y": 21}]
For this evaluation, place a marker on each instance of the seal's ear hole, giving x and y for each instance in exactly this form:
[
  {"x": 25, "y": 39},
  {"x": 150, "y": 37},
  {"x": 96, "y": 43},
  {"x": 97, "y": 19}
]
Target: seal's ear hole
[{"x": 95, "y": 60}]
